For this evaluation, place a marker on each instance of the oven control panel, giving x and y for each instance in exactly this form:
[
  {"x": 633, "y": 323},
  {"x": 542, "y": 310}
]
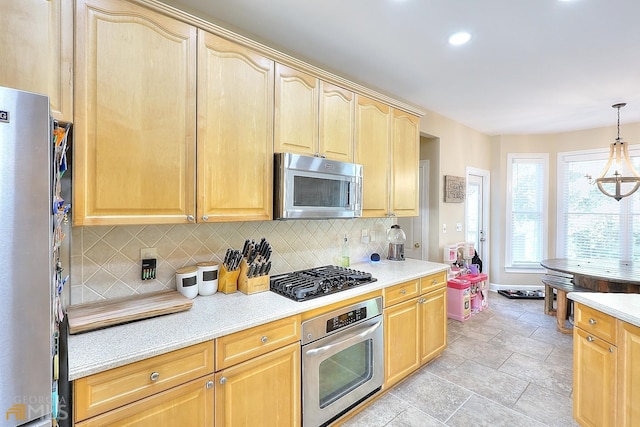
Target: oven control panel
[
  {"x": 346, "y": 319},
  {"x": 334, "y": 321}
]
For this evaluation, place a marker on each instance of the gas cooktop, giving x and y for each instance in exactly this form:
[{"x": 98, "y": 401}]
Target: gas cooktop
[{"x": 315, "y": 282}]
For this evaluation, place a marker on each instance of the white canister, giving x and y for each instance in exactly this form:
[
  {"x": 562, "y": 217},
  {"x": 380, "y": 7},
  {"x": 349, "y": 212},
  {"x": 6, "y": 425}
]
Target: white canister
[
  {"x": 207, "y": 278},
  {"x": 187, "y": 281}
]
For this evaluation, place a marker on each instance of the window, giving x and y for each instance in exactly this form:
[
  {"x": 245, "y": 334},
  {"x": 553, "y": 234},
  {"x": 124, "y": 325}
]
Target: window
[
  {"x": 527, "y": 211},
  {"x": 590, "y": 224}
]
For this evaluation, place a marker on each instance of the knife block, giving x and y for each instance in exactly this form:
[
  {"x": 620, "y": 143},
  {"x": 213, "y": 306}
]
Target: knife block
[
  {"x": 228, "y": 280},
  {"x": 251, "y": 285}
]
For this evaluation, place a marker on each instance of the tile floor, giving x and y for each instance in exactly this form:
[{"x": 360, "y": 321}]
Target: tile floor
[{"x": 506, "y": 366}]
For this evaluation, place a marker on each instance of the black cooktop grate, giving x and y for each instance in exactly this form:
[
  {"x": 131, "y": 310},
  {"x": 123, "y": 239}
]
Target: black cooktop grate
[{"x": 315, "y": 282}]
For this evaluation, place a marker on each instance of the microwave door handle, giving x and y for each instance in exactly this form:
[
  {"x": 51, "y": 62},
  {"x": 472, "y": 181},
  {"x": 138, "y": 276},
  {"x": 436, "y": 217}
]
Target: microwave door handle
[{"x": 354, "y": 336}]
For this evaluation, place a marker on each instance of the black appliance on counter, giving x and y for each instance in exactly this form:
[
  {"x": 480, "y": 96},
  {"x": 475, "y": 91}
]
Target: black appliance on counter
[{"x": 315, "y": 282}]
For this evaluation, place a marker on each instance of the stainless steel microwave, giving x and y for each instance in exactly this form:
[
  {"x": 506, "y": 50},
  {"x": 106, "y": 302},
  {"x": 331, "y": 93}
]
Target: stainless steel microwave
[{"x": 308, "y": 187}]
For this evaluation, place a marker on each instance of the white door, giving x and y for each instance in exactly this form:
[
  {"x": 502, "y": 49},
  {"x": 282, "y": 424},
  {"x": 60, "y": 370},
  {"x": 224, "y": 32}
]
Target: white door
[
  {"x": 477, "y": 213},
  {"x": 417, "y": 228}
]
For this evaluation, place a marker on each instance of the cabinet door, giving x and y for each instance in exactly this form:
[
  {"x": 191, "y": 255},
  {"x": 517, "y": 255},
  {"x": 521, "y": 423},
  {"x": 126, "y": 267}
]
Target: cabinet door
[
  {"x": 405, "y": 159},
  {"x": 337, "y": 122},
  {"x": 401, "y": 341},
  {"x": 263, "y": 391},
  {"x": 296, "y": 114},
  {"x": 372, "y": 151},
  {"x": 134, "y": 132},
  {"x": 433, "y": 324},
  {"x": 594, "y": 380},
  {"x": 235, "y": 132},
  {"x": 190, "y": 404},
  {"x": 37, "y": 50},
  {"x": 628, "y": 374}
]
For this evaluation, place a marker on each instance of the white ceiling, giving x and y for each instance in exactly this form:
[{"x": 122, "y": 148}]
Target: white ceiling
[{"x": 532, "y": 66}]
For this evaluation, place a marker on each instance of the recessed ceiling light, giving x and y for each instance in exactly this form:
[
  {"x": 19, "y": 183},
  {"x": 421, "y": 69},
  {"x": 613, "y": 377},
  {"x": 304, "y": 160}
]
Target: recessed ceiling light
[{"x": 459, "y": 38}]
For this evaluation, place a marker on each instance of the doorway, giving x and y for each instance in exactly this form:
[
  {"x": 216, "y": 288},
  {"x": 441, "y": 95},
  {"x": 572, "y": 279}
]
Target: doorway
[
  {"x": 417, "y": 228},
  {"x": 477, "y": 212}
]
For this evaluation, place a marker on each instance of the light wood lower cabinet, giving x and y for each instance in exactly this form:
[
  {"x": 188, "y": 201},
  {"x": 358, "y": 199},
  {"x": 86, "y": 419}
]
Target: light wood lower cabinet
[
  {"x": 258, "y": 376},
  {"x": 145, "y": 392},
  {"x": 594, "y": 368},
  {"x": 628, "y": 374},
  {"x": 263, "y": 391},
  {"x": 190, "y": 404},
  {"x": 415, "y": 329}
]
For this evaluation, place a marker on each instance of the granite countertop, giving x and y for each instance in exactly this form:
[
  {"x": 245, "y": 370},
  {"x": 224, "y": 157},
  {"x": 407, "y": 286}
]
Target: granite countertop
[
  {"x": 215, "y": 316},
  {"x": 625, "y": 307}
]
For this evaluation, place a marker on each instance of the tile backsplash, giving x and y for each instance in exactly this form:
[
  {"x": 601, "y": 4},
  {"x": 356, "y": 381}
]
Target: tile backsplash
[{"x": 105, "y": 261}]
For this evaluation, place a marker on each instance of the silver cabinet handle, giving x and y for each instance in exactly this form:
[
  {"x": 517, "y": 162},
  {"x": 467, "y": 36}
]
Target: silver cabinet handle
[
  {"x": 223, "y": 380},
  {"x": 592, "y": 321},
  {"x": 264, "y": 339},
  {"x": 590, "y": 338},
  {"x": 403, "y": 291},
  {"x": 191, "y": 218},
  {"x": 434, "y": 281},
  {"x": 205, "y": 217},
  {"x": 416, "y": 245},
  {"x": 209, "y": 384},
  {"x": 154, "y": 376}
]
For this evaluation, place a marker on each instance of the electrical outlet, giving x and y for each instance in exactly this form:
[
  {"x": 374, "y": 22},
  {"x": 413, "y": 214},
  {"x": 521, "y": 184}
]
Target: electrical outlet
[
  {"x": 148, "y": 253},
  {"x": 444, "y": 228},
  {"x": 459, "y": 227},
  {"x": 364, "y": 236}
]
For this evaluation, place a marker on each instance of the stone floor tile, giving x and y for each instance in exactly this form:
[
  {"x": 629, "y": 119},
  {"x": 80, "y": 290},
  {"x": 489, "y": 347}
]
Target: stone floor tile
[
  {"x": 432, "y": 395},
  {"x": 542, "y": 404},
  {"x": 478, "y": 411}
]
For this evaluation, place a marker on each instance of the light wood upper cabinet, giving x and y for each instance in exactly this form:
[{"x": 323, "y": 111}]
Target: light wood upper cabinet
[
  {"x": 312, "y": 117},
  {"x": 373, "y": 135},
  {"x": 337, "y": 122},
  {"x": 37, "y": 51},
  {"x": 296, "y": 111},
  {"x": 235, "y": 131},
  {"x": 135, "y": 116},
  {"x": 405, "y": 157}
]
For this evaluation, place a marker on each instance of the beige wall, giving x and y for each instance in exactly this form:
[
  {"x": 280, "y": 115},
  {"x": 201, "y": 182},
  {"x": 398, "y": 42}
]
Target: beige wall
[
  {"x": 451, "y": 147},
  {"x": 598, "y": 138}
]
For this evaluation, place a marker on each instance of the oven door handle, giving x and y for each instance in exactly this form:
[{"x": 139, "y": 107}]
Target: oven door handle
[{"x": 345, "y": 341}]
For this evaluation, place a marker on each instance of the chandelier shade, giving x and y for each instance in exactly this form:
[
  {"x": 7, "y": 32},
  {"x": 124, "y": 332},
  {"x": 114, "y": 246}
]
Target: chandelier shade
[{"x": 619, "y": 178}]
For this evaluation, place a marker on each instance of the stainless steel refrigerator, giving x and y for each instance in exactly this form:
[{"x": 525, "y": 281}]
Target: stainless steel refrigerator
[{"x": 27, "y": 260}]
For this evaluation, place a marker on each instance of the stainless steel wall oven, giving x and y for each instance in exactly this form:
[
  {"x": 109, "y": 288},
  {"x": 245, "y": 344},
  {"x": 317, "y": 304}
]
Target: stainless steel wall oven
[{"x": 342, "y": 361}]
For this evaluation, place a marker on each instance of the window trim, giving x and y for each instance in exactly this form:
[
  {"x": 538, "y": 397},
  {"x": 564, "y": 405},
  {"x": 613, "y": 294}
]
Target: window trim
[{"x": 509, "y": 266}]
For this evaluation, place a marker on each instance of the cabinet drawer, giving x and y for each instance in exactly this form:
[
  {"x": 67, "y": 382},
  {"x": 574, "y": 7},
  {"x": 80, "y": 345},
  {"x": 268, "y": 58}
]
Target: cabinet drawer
[
  {"x": 595, "y": 322},
  {"x": 247, "y": 344},
  {"x": 189, "y": 404},
  {"x": 433, "y": 282},
  {"x": 116, "y": 387},
  {"x": 401, "y": 292}
]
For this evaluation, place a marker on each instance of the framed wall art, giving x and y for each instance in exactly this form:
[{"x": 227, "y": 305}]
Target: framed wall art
[{"x": 454, "y": 189}]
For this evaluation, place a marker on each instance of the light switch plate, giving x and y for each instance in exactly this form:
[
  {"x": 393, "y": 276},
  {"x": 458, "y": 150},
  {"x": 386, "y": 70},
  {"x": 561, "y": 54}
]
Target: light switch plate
[{"x": 148, "y": 253}]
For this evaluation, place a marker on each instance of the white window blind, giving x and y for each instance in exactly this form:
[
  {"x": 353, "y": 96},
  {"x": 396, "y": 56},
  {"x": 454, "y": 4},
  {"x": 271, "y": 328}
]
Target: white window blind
[
  {"x": 590, "y": 224},
  {"x": 527, "y": 211}
]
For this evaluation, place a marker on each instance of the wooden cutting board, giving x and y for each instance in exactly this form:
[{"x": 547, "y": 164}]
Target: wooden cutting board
[{"x": 96, "y": 315}]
